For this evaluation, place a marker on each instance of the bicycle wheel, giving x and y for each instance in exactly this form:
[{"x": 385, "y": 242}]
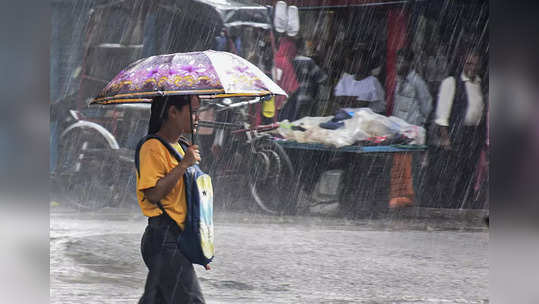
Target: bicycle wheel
[
  {"x": 86, "y": 171},
  {"x": 271, "y": 179}
]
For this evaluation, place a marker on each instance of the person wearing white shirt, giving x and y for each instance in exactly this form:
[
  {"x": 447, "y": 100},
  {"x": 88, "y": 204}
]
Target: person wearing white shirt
[
  {"x": 360, "y": 89},
  {"x": 473, "y": 109},
  {"x": 460, "y": 122},
  {"x": 367, "y": 89},
  {"x": 412, "y": 101}
]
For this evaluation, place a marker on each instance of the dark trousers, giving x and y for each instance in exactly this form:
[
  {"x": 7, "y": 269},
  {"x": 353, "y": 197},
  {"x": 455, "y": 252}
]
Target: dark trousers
[
  {"x": 289, "y": 110},
  {"x": 171, "y": 278},
  {"x": 451, "y": 174}
]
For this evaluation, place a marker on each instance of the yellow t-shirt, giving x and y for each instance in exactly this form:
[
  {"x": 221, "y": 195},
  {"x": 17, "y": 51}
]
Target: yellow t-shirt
[{"x": 156, "y": 162}]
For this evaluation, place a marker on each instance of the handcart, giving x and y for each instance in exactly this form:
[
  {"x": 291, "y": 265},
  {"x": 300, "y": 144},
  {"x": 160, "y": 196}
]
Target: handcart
[{"x": 356, "y": 177}]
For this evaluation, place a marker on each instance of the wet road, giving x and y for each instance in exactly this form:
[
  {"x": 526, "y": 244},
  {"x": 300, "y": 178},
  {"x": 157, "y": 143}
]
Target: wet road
[{"x": 95, "y": 258}]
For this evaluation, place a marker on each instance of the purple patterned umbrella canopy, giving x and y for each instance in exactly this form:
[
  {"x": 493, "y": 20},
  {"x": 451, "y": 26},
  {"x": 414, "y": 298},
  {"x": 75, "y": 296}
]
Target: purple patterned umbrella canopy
[{"x": 219, "y": 74}]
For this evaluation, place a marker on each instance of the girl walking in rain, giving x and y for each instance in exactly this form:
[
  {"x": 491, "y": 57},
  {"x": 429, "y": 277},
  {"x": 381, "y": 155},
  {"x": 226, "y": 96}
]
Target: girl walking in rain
[{"x": 171, "y": 277}]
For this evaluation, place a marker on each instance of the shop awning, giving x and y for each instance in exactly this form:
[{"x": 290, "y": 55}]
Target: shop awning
[
  {"x": 321, "y": 4},
  {"x": 233, "y": 13}
]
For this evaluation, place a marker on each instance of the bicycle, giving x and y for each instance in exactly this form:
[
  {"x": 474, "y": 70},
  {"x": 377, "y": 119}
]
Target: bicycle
[{"x": 252, "y": 158}]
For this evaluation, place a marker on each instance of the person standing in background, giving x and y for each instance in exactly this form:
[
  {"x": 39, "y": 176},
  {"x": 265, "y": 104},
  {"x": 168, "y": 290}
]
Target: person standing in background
[
  {"x": 460, "y": 123},
  {"x": 310, "y": 77},
  {"x": 437, "y": 67},
  {"x": 285, "y": 75},
  {"x": 360, "y": 88},
  {"x": 412, "y": 103}
]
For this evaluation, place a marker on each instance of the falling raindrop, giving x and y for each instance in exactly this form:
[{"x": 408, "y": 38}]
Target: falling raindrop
[{"x": 300, "y": 217}]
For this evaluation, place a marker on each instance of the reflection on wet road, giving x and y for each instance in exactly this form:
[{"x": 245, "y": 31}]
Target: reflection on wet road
[{"x": 95, "y": 258}]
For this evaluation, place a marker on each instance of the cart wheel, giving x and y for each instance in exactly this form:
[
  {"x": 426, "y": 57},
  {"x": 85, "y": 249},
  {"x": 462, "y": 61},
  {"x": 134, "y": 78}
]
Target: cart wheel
[{"x": 271, "y": 179}]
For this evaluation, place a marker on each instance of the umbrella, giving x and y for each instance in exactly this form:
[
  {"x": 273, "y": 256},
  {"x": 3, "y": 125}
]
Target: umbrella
[{"x": 211, "y": 73}]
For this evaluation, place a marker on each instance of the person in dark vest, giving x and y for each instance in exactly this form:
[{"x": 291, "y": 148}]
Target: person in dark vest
[
  {"x": 460, "y": 123},
  {"x": 171, "y": 277}
]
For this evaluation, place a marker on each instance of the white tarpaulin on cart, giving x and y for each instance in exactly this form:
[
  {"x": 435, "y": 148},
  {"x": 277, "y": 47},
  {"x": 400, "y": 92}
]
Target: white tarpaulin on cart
[{"x": 363, "y": 125}]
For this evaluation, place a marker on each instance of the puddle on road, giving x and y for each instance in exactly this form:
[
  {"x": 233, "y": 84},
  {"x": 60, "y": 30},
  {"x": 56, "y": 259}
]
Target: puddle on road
[{"x": 278, "y": 263}]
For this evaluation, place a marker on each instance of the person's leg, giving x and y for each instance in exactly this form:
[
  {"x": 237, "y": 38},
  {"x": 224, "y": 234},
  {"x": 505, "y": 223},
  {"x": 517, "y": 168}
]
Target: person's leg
[
  {"x": 440, "y": 177},
  {"x": 463, "y": 144},
  {"x": 149, "y": 251},
  {"x": 470, "y": 160},
  {"x": 401, "y": 188},
  {"x": 452, "y": 190},
  {"x": 178, "y": 282},
  {"x": 172, "y": 278},
  {"x": 145, "y": 246},
  {"x": 418, "y": 176},
  {"x": 305, "y": 109},
  {"x": 288, "y": 111}
]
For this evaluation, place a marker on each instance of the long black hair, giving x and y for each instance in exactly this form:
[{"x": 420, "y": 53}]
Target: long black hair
[{"x": 159, "y": 110}]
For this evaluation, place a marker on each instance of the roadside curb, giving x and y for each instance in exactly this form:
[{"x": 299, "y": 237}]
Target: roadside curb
[{"x": 459, "y": 215}]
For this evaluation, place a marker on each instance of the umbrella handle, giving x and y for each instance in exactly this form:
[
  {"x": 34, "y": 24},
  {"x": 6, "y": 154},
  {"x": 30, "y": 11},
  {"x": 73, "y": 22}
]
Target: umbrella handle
[{"x": 191, "y": 122}]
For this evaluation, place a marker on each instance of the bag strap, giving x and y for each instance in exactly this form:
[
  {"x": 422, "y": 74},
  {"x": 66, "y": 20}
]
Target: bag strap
[{"x": 183, "y": 143}]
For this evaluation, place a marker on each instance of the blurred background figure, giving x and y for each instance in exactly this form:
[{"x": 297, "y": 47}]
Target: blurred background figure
[
  {"x": 285, "y": 75},
  {"x": 436, "y": 67},
  {"x": 309, "y": 77},
  {"x": 460, "y": 122},
  {"x": 229, "y": 40},
  {"x": 357, "y": 87},
  {"x": 413, "y": 103}
]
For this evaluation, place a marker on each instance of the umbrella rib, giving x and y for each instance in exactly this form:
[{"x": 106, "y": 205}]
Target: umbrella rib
[
  {"x": 156, "y": 93},
  {"x": 262, "y": 93},
  {"x": 127, "y": 100}
]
